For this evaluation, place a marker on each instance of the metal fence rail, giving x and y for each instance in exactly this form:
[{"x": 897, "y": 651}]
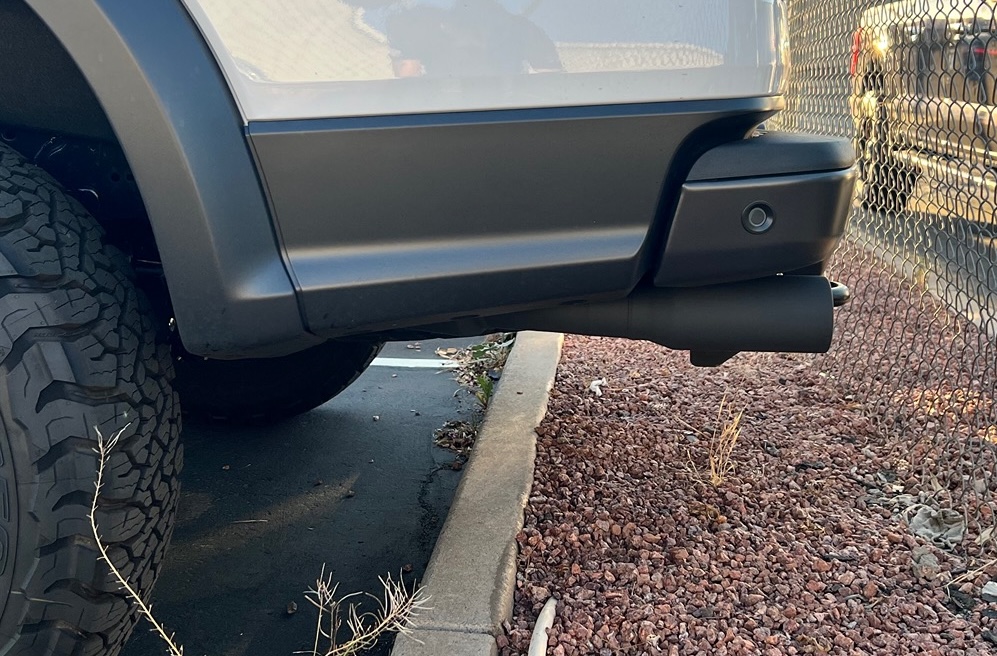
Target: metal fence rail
[{"x": 913, "y": 83}]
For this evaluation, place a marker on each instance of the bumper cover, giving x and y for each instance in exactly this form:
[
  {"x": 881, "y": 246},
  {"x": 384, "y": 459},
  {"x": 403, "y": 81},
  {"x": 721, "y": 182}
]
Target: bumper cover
[{"x": 772, "y": 204}]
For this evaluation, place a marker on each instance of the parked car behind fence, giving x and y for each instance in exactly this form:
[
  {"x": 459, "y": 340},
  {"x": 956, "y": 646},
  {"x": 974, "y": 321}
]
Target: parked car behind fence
[{"x": 913, "y": 84}]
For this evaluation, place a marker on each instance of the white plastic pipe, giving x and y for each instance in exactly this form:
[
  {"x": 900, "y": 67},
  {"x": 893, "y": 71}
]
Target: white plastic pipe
[{"x": 538, "y": 643}]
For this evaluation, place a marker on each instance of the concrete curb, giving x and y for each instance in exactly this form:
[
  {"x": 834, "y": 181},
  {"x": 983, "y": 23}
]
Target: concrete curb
[{"x": 472, "y": 573}]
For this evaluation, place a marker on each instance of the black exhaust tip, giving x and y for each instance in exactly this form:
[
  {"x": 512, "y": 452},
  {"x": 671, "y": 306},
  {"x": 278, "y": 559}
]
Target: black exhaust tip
[{"x": 840, "y": 294}]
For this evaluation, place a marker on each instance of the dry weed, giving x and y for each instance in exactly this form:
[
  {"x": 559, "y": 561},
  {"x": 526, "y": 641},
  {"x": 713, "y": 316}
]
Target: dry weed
[
  {"x": 396, "y": 611},
  {"x": 721, "y": 444}
]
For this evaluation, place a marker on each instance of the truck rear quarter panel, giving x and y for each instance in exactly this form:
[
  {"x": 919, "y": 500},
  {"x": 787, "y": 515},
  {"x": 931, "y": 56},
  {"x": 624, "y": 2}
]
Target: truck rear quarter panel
[
  {"x": 432, "y": 159},
  {"x": 329, "y": 167}
]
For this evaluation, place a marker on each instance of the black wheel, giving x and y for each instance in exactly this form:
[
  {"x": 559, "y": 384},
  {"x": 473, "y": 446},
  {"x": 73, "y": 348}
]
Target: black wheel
[
  {"x": 266, "y": 390},
  {"x": 79, "y": 353}
]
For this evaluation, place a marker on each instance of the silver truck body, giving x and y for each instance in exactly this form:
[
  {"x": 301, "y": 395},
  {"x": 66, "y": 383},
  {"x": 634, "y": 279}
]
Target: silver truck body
[{"x": 305, "y": 59}]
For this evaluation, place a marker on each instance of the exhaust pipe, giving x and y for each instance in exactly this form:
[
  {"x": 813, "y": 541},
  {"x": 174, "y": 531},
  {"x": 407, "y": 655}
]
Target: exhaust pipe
[{"x": 778, "y": 314}]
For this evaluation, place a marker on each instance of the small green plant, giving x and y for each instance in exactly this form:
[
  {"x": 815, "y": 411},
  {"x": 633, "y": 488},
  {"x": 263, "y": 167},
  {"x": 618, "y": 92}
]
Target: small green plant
[
  {"x": 396, "y": 612},
  {"x": 477, "y": 367},
  {"x": 720, "y": 446},
  {"x": 485, "y": 389},
  {"x": 478, "y": 364}
]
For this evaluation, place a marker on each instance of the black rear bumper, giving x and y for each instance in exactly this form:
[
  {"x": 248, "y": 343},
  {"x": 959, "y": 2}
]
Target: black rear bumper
[
  {"x": 740, "y": 267},
  {"x": 392, "y": 222},
  {"x": 772, "y": 204},
  {"x": 467, "y": 223}
]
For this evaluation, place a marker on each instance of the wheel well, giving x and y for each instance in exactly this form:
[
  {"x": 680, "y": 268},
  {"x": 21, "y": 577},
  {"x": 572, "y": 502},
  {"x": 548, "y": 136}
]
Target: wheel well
[
  {"x": 42, "y": 86},
  {"x": 49, "y": 113}
]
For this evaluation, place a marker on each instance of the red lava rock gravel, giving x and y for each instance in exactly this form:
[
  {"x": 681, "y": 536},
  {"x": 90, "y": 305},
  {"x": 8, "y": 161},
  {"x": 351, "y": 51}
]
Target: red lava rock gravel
[{"x": 792, "y": 554}]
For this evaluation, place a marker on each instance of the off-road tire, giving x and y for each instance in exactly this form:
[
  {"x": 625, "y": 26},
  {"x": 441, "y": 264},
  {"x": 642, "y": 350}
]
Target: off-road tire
[
  {"x": 79, "y": 353},
  {"x": 267, "y": 390}
]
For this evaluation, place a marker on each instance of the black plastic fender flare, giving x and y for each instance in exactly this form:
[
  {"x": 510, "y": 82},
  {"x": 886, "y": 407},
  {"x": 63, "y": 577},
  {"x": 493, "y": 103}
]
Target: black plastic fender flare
[{"x": 184, "y": 138}]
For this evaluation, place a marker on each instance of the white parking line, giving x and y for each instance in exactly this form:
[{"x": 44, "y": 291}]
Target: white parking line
[{"x": 414, "y": 363}]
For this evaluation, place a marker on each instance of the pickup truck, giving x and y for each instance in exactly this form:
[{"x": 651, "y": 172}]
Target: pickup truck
[
  {"x": 924, "y": 104},
  {"x": 228, "y": 206}
]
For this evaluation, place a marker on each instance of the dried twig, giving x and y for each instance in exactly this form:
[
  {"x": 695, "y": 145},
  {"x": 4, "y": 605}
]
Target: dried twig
[
  {"x": 971, "y": 574},
  {"x": 103, "y": 450},
  {"x": 396, "y": 612}
]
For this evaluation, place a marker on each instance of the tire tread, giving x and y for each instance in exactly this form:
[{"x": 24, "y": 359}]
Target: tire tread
[{"x": 78, "y": 351}]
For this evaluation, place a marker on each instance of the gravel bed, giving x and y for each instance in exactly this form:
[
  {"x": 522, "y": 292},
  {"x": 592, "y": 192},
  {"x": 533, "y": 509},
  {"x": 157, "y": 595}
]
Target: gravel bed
[
  {"x": 798, "y": 551},
  {"x": 927, "y": 375}
]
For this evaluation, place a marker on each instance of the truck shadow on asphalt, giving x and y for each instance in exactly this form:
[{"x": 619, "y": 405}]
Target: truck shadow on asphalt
[{"x": 263, "y": 508}]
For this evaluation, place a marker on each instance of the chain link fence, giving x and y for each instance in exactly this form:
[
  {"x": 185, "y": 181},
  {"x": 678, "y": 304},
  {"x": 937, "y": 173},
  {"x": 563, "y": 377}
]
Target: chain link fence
[{"x": 914, "y": 84}]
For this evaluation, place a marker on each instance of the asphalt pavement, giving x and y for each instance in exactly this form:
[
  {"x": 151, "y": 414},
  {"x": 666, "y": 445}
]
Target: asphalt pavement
[{"x": 356, "y": 485}]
